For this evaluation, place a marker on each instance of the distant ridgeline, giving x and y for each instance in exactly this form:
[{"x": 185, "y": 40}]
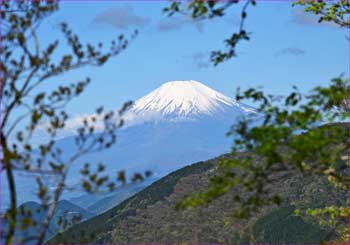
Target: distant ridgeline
[
  {"x": 65, "y": 215},
  {"x": 150, "y": 216}
]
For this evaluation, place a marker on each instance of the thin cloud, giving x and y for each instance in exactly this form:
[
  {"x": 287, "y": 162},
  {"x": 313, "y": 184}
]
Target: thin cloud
[
  {"x": 170, "y": 24},
  {"x": 199, "y": 59},
  {"x": 74, "y": 123},
  {"x": 174, "y": 24},
  {"x": 121, "y": 18},
  {"x": 70, "y": 128},
  {"x": 290, "y": 51}
]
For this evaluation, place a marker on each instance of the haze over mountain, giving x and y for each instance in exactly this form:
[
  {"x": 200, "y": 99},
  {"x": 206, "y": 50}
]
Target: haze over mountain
[{"x": 179, "y": 123}]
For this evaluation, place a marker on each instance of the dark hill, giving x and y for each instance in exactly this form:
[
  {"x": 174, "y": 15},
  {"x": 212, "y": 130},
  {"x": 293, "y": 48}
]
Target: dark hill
[{"x": 150, "y": 215}]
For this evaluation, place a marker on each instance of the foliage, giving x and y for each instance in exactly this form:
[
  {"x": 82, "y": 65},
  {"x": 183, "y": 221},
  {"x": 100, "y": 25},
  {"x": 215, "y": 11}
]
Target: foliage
[
  {"x": 328, "y": 11},
  {"x": 27, "y": 106},
  {"x": 281, "y": 223},
  {"x": 209, "y": 9},
  {"x": 289, "y": 138}
]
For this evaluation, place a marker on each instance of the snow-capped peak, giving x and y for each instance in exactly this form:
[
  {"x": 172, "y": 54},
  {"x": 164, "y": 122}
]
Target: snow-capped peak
[{"x": 178, "y": 100}]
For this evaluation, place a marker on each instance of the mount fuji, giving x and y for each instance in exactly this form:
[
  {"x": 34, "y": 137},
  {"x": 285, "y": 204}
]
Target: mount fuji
[
  {"x": 178, "y": 101},
  {"x": 178, "y": 123}
]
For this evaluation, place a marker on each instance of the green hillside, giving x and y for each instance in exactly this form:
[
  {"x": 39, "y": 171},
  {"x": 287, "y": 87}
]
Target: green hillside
[{"x": 150, "y": 216}]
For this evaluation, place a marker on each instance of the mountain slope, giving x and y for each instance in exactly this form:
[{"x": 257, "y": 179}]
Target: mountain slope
[{"x": 150, "y": 216}]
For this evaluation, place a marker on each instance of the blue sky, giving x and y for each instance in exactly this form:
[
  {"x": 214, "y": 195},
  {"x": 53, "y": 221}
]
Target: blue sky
[{"x": 287, "y": 48}]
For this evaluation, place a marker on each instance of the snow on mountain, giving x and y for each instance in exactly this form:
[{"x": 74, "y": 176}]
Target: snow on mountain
[{"x": 181, "y": 101}]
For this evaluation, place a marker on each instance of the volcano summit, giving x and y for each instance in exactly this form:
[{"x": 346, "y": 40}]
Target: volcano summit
[{"x": 185, "y": 101}]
